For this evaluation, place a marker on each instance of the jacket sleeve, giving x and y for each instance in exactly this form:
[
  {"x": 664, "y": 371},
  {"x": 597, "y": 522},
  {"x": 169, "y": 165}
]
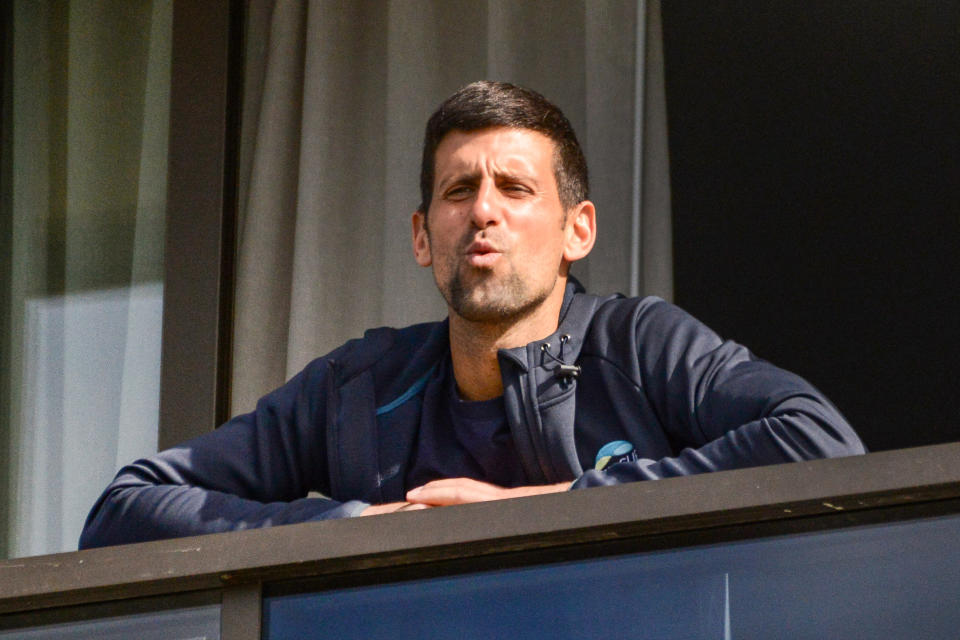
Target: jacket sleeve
[
  {"x": 722, "y": 407},
  {"x": 254, "y": 471}
]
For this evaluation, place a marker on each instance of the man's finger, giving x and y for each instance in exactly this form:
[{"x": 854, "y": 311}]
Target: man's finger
[
  {"x": 391, "y": 507},
  {"x": 413, "y": 506}
]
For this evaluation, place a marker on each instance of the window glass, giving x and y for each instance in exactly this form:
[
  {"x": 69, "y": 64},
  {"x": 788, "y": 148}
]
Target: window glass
[
  {"x": 814, "y": 156},
  {"x": 83, "y": 210}
]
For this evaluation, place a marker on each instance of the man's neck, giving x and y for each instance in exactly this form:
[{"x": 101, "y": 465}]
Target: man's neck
[{"x": 474, "y": 346}]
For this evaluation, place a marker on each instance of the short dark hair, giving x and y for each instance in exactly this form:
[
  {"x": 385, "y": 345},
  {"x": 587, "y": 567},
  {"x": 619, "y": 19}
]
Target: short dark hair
[{"x": 485, "y": 104}]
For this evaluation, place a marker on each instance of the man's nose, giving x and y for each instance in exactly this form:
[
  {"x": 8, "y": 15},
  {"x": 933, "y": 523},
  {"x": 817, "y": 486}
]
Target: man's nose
[{"x": 486, "y": 209}]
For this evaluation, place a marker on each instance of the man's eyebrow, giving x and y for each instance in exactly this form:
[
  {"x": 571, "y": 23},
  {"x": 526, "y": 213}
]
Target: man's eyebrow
[
  {"x": 511, "y": 176},
  {"x": 459, "y": 176},
  {"x": 469, "y": 176}
]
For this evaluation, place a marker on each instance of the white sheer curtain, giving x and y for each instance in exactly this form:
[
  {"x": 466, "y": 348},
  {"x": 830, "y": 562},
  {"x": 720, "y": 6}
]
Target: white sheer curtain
[
  {"x": 89, "y": 139},
  {"x": 337, "y": 95}
]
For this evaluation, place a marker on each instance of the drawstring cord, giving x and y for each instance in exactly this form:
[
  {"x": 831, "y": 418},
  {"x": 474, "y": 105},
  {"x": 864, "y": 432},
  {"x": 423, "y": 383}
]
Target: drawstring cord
[{"x": 562, "y": 370}]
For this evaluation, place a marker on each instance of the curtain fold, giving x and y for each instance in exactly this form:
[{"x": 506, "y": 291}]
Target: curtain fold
[
  {"x": 339, "y": 97},
  {"x": 268, "y": 213}
]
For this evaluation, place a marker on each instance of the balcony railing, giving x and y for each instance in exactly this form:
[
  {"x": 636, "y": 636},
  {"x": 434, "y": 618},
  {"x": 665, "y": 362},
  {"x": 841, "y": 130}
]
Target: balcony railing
[{"x": 809, "y": 515}]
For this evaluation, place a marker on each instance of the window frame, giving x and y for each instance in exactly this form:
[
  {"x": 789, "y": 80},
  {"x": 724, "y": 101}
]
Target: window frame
[
  {"x": 205, "y": 101},
  {"x": 239, "y": 567},
  {"x": 6, "y": 249}
]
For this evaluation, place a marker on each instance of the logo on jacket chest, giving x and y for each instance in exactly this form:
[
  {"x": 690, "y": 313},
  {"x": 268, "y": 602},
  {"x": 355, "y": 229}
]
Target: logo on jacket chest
[{"x": 614, "y": 452}]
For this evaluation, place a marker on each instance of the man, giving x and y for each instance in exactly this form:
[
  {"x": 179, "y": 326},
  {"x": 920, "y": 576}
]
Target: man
[{"x": 530, "y": 386}]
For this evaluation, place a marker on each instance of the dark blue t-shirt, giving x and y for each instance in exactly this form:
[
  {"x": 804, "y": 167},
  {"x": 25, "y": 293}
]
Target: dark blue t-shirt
[{"x": 465, "y": 440}]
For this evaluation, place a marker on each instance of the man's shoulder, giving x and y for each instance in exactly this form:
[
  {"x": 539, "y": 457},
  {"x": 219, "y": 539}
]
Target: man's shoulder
[
  {"x": 390, "y": 354},
  {"x": 615, "y": 309},
  {"x": 649, "y": 320}
]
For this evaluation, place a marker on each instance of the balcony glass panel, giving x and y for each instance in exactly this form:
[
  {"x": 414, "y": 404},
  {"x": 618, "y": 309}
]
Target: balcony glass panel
[
  {"x": 194, "y": 623},
  {"x": 897, "y": 580}
]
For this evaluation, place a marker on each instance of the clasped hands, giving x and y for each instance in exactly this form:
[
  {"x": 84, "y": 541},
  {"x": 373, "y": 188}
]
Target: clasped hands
[{"x": 450, "y": 491}]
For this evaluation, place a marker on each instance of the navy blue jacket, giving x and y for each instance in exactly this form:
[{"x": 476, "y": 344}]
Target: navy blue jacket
[{"x": 346, "y": 426}]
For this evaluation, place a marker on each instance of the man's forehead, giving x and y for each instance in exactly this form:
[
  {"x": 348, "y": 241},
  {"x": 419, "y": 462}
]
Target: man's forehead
[{"x": 523, "y": 148}]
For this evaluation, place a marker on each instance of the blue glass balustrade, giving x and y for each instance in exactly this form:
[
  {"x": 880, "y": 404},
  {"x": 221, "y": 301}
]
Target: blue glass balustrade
[
  {"x": 188, "y": 623},
  {"x": 899, "y": 580}
]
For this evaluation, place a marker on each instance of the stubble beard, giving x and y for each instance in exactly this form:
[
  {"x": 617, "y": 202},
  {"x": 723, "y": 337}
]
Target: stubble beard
[
  {"x": 488, "y": 298},
  {"x": 491, "y": 302}
]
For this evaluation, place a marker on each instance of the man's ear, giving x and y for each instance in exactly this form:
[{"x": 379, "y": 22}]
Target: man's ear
[
  {"x": 421, "y": 240},
  {"x": 581, "y": 231}
]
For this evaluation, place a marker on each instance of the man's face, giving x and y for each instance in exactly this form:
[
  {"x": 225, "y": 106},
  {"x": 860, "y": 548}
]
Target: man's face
[{"x": 496, "y": 231}]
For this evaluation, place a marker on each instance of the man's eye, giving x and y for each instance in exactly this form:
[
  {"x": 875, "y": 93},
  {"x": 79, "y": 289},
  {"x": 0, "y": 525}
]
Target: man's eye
[
  {"x": 458, "y": 192},
  {"x": 515, "y": 188}
]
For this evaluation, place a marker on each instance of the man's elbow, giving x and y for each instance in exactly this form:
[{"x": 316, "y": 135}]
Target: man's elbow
[
  {"x": 96, "y": 528},
  {"x": 113, "y": 521},
  {"x": 821, "y": 435}
]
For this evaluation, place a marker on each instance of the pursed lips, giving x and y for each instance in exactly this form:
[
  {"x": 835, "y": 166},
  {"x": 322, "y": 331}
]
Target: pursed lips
[{"x": 482, "y": 253}]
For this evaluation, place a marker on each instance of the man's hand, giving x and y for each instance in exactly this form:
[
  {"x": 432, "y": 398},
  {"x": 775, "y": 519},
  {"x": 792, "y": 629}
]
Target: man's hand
[
  {"x": 448, "y": 491},
  {"x": 391, "y": 507},
  {"x": 441, "y": 493}
]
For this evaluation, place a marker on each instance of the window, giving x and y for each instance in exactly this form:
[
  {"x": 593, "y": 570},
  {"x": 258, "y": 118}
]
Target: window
[{"x": 87, "y": 91}]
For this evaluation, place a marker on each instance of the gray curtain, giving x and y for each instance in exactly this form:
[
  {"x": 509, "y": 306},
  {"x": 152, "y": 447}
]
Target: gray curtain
[{"x": 336, "y": 98}]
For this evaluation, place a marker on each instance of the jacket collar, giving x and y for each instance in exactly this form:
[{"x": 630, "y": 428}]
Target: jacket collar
[{"x": 563, "y": 344}]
